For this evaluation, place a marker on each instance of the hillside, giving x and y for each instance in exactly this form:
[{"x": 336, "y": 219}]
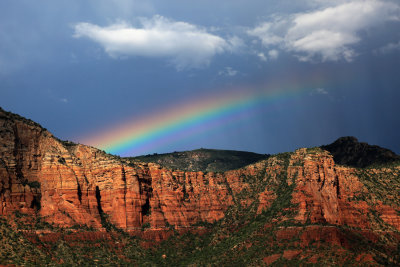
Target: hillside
[
  {"x": 64, "y": 203},
  {"x": 206, "y": 160}
]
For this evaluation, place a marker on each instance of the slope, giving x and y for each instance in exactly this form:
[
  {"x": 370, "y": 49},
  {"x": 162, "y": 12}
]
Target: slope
[{"x": 206, "y": 160}]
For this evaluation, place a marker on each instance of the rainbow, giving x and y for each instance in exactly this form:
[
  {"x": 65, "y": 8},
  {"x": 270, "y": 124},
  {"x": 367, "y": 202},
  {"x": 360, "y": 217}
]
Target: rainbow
[{"x": 137, "y": 136}]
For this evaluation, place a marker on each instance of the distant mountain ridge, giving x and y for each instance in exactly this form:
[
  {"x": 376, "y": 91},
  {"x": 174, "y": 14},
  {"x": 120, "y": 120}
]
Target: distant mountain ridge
[
  {"x": 349, "y": 151},
  {"x": 209, "y": 160}
]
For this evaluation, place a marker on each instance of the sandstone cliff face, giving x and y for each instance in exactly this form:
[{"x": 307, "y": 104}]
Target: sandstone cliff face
[
  {"x": 77, "y": 184},
  {"x": 331, "y": 194},
  {"x": 71, "y": 185}
]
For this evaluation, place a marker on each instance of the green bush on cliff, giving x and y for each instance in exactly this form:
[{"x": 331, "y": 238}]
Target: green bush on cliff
[{"x": 34, "y": 184}]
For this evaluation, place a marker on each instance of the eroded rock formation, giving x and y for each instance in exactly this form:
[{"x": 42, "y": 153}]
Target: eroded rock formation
[{"x": 72, "y": 184}]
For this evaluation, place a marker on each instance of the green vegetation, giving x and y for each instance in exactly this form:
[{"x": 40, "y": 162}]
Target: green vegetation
[
  {"x": 9, "y": 116},
  {"x": 33, "y": 222},
  {"x": 68, "y": 143},
  {"x": 206, "y": 160},
  {"x": 31, "y": 184},
  {"x": 244, "y": 237},
  {"x": 34, "y": 184},
  {"x": 145, "y": 226},
  {"x": 314, "y": 150},
  {"x": 16, "y": 249},
  {"x": 61, "y": 160},
  {"x": 383, "y": 184}
]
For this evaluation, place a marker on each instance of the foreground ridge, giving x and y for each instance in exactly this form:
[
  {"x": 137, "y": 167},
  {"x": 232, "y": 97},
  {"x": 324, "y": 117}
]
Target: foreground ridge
[{"x": 299, "y": 207}]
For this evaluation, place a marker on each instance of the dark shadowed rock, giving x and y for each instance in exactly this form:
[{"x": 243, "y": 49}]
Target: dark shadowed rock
[
  {"x": 349, "y": 151},
  {"x": 214, "y": 160}
]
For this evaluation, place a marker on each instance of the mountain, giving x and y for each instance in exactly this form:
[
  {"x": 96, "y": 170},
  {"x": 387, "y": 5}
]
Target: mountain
[
  {"x": 66, "y": 203},
  {"x": 206, "y": 160},
  {"x": 348, "y": 151}
]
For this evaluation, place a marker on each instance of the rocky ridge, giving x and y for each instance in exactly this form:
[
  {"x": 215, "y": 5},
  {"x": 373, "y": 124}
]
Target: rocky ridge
[
  {"x": 74, "y": 186},
  {"x": 349, "y": 151},
  {"x": 206, "y": 160}
]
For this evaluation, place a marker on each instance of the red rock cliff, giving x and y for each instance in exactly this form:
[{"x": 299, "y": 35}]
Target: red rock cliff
[
  {"x": 76, "y": 184},
  {"x": 71, "y": 184}
]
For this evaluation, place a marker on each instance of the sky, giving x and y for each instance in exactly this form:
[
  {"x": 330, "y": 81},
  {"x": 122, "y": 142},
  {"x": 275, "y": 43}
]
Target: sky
[{"x": 140, "y": 77}]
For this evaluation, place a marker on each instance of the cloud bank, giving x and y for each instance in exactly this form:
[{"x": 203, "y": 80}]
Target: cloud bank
[
  {"x": 186, "y": 45},
  {"x": 328, "y": 34}
]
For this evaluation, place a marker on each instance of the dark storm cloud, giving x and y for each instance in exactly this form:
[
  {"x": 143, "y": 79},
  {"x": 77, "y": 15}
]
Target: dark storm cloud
[{"x": 80, "y": 66}]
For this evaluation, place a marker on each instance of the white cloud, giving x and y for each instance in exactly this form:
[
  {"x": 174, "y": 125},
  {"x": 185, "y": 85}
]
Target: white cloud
[
  {"x": 265, "y": 32},
  {"x": 389, "y": 47},
  {"x": 64, "y": 100},
  {"x": 262, "y": 56},
  {"x": 228, "y": 71},
  {"x": 186, "y": 45},
  {"x": 328, "y": 34},
  {"x": 235, "y": 44},
  {"x": 273, "y": 54}
]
